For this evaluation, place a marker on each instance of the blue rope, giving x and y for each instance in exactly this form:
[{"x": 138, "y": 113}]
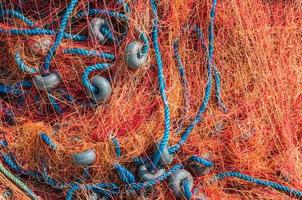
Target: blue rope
[
  {"x": 125, "y": 5},
  {"x": 151, "y": 183},
  {"x": 9, "y": 161},
  {"x": 271, "y": 184},
  {"x": 162, "y": 85},
  {"x": 22, "y": 66},
  {"x": 71, "y": 191},
  {"x": 9, "y": 116},
  {"x": 202, "y": 161},
  {"x": 145, "y": 48},
  {"x": 105, "y": 30},
  {"x": 108, "y": 34},
  {"x": 46, "y": 179},
  {"x": 48, "y": 141},
  {"x": 117, "y": 147},
  {"x": 197, "y": 118},
  {"x": 59, "y": 36},
  {"x": 125, "y": 175},
  {"x": 24, "y": 83},
  {"x": 107, "y": 189},
  {"x": 5, "y": 89},
  {"x": 181, "y": 71},
  {"x": 14, "y": 89},
  {"x": 218, "y": 89},
  {"x": 184, "y": 81},
  {"x": 187, "y": 192},
  {"x": 39, "y": 31},
  {"x": 141, "y": 160},
  {"x": 99, "y": 188},
  {"x": 3, "y": 143},
  {"x": 88, "y": 70},
  {"x": 216, "y": 72},
  {"x": 206, "y": 98},
  {"x": 17, "y": 15},
  {"x": 108, "y": 13},
  {"x": 93, "y": 53}
]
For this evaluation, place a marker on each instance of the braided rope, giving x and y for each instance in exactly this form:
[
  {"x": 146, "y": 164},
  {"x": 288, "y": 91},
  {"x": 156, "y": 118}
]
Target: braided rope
[
  {"x": 5, "y": 89},
  {"x": 93, "y": 53},
  {"x": 184, "y": 82},
  {"x": 9, "y": 161},
  {"x": 145, "y": 48},
  {"x": 3, "y": 143},
  {"x": 39, "y": 31},
  {"x": 59, "y": 36},
  {"x": 206, "y": 98},
  {"x": 216, "y": 72},
  {"x": 202, "y": 161},
  {"x": 109, "y": 13},
  {"x": 162, "y": 86},
  {"x": 271, "y": 184},
  {"x": 125, "y": 175},
  {"x": 186, "y": 189},
  {"x": 16, "y": 14},
  {"x": 71, "y": 191},
  {"x": 22, "y": 66},
  {"x": 108, "y": 34},
  {"x": 125, "y": 5},
  {"x": 47, "y": 140}
]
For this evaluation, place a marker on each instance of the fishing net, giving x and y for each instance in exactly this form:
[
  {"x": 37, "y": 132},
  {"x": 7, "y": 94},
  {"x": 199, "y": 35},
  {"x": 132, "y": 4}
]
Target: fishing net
[{"x": 219, "y": 86}]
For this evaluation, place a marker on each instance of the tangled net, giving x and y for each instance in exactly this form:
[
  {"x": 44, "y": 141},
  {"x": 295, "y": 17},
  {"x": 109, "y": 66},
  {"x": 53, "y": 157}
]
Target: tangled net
[{"x": 215, "y": 96}]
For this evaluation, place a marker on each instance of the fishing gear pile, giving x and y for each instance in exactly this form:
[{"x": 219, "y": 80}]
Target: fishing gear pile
[{"x": 121, "y": 99}]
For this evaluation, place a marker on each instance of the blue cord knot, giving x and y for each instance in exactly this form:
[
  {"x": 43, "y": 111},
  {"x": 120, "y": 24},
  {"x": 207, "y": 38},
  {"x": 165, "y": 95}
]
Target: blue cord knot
[
  {"x": 145, "y": 48},
  {"x": 90, "y": 69}
]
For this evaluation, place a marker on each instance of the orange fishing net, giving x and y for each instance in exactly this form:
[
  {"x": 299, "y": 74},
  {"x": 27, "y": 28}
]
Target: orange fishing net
[{"x": 257, "y": 51}]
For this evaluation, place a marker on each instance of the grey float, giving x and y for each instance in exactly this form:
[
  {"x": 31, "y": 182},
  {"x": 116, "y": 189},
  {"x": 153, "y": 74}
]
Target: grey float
[
  {"x": 104, "y": 89},
  {"x": 134, "y": 58},
  {"x": 47, "y": 82},
  {"x": 85, "y": 158}
]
